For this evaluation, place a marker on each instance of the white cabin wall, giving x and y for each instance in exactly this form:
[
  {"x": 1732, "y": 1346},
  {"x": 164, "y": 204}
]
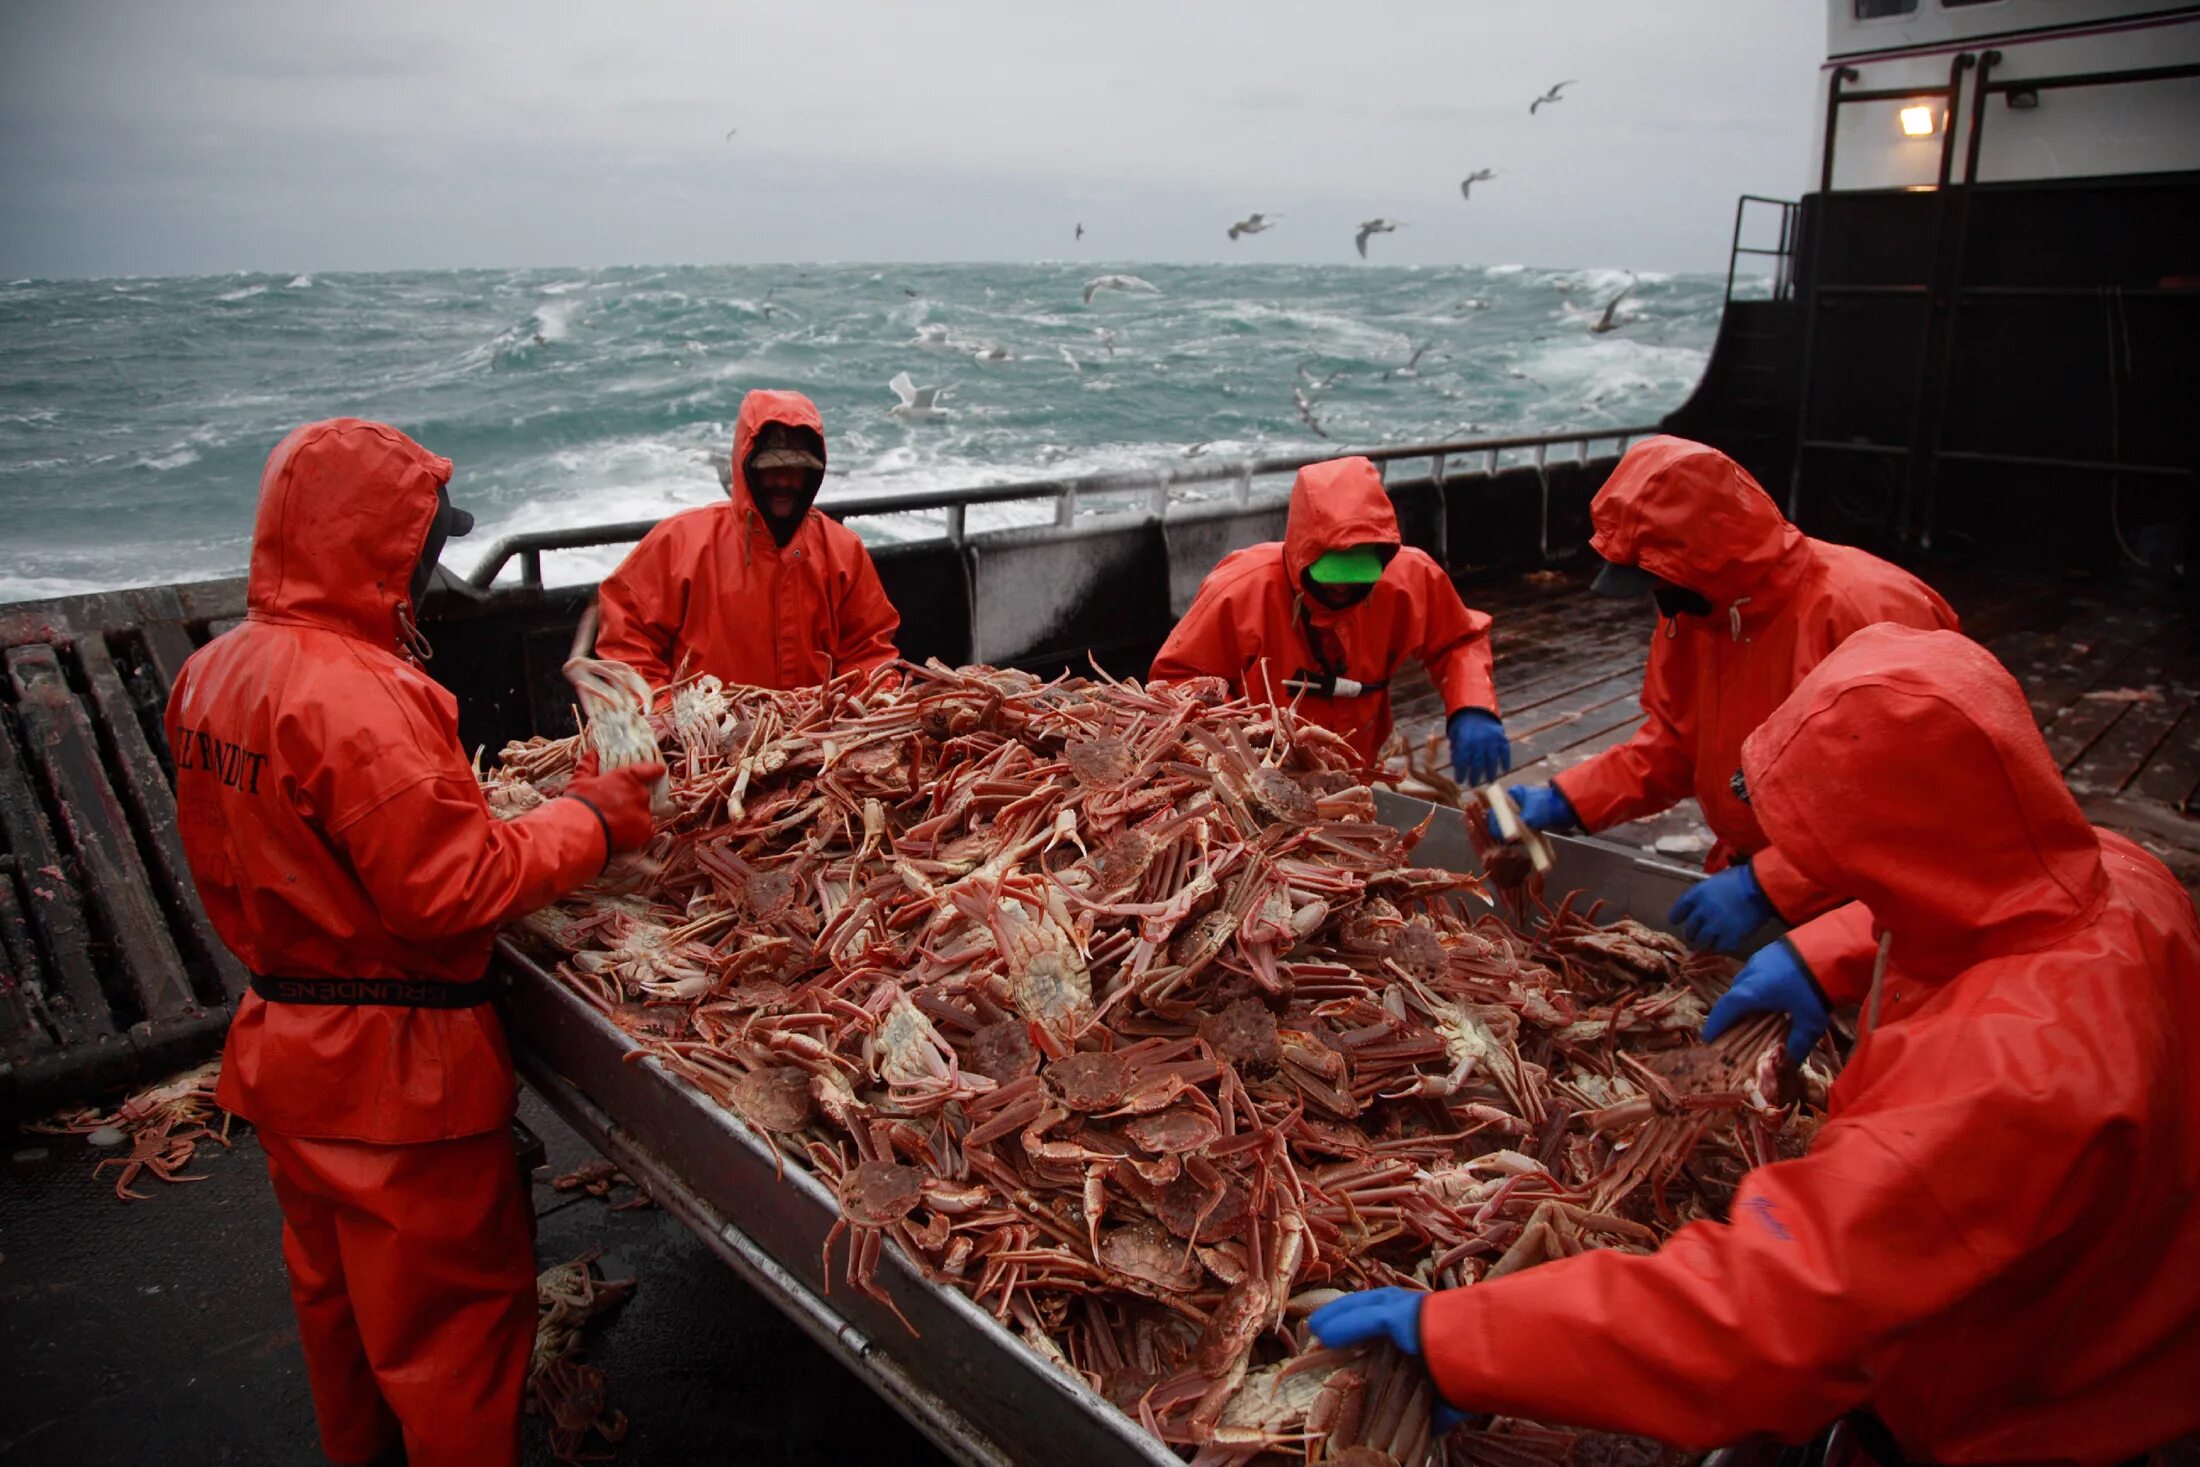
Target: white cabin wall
[{"x": 2074, "y": 132}]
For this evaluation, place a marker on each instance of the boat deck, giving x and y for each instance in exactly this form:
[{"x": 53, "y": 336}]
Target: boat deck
[{"x": 2113, "y": 675}]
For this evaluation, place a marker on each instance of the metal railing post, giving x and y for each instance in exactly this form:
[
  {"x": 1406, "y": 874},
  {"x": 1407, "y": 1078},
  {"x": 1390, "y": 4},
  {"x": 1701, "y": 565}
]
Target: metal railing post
[
  {"x": 955, "y": 522},
  {"x": 1065, "y": 506},
  {"x": 1543, "y": 480},
  {"x": 1443, "y": 510},
  {"x": 530, "y": 568}
]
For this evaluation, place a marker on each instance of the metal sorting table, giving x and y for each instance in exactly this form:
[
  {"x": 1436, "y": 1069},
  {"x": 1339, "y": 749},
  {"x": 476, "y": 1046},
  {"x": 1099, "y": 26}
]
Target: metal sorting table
[{"x": 982, "y": 1395}]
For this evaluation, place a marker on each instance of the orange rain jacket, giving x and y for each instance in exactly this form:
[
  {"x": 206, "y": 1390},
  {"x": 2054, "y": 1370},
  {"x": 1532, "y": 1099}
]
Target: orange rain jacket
[
  {"x": 1992, "y": 1242},
  {"x": 1780, "y": 602},
  {"x": 331, "y": 818},
  {"x": 710, "y": 590},
  {"x": 1251, "y": 626}
]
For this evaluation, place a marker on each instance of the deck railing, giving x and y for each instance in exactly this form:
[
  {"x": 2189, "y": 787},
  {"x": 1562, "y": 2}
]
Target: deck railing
[{"x": 1154, "y": 490}]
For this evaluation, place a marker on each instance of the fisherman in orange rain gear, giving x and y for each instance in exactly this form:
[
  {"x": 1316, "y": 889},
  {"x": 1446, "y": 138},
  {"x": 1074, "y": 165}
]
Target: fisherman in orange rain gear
[
  {"x": 346, "y": 855},
  {"x": 1747, "y": 604},
  {"x": 1988, "y": 1253},
  {"x": 762, "y": 589},
  {"x": 1324, "y": 618}
]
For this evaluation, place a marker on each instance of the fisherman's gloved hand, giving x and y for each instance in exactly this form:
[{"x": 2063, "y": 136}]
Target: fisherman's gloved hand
[
  {"x": 620, "y": 800},
  {"x": 1774, "y": 981},
  {"x": 1395, "y": 1315},
  {"x": 1719, "y": 912},
  {"x": 1479, "y": 749},
  {"x": 1541, "y": 807}
]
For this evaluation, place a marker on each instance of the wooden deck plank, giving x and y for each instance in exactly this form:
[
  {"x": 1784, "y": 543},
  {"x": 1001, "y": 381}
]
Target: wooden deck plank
[{"x": 2171, "y": 773}]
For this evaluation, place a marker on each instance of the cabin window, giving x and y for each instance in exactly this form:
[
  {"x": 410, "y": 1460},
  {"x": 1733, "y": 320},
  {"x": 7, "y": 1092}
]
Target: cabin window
[{"x": 1881, "y": 9}]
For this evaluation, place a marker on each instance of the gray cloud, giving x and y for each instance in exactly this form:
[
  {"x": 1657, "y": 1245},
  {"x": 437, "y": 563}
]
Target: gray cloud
[{"x": 141, "y": 137}]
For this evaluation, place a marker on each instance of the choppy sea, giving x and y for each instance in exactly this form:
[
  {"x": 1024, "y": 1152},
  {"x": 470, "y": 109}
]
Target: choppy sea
[{"x": 135, "y": 414}]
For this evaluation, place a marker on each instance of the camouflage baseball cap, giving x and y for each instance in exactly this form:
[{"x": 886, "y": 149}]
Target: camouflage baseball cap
[{"x": 783, "y": 446}]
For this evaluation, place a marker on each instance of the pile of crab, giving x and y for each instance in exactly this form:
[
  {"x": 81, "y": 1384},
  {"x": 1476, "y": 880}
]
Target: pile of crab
[{"x": 1115, "y": 1007}]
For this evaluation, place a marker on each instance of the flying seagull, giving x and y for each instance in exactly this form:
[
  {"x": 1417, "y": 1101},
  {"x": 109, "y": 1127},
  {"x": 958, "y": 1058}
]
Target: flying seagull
[
  {"x": 1480, "y": 175},
  {"x": 1107, "y": 338},
  {"x": 1072, "y": 360},
  {"x": 1254, "y": 224},
  {"x": 730, "y": 132},
  {"x": 1550, "y": 96},
  {"x": 1305, "y": 406},
  {"x": 1374, "y": 226},
  {"x": 1605, "y": 322},
  {"x": 1319, "y": 384},
  {"x": 1080, "y": 229},
  {"x": 1412, "y": 368},
  {"x": 918, "y": 404},
  {"x": 1117, "y": 282}
]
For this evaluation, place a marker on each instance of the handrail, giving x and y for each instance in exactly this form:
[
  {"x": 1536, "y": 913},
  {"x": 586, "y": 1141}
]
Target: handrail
[
  {"x": 528, "y": 546},
  {"x": 1783, "y": 272}
]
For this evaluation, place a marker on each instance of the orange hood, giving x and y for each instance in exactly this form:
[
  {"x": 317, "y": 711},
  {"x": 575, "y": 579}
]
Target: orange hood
[
  {"x": 1335, "y": 505},
  {"x": 1906, "y": 772},
  {"x": 757, "y": 409},
  {"x": 344, "y": 511},
  {"x": 1690, "y": 514}
]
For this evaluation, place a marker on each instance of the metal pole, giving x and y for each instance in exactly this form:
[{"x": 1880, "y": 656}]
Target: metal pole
[{"x": 1543, "y": 479}]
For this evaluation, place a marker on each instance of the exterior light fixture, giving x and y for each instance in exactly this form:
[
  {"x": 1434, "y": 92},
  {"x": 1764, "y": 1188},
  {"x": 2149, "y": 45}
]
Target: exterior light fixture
[
  {"x": 2023, "y": 99},
  {"x": 1919, "y": 122}
]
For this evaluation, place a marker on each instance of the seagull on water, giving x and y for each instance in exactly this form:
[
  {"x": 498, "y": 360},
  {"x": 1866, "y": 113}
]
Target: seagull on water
[
  {"x": 1117, "y": 282},
  {"x": 1480, "y": 175},
  {"x": 932, "y": 337},
  {"x": 918, "y": 404},
  {"x": 1374, "y": 226},
  {"x": 1254, "y": 224},
  {"x": 1550, "y": 96}
]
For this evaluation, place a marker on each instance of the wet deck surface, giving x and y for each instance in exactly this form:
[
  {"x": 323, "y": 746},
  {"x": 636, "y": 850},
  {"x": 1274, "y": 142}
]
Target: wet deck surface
[
  {"x": 2113, "y": 674},
  {"x": 161, "y": 1331}
]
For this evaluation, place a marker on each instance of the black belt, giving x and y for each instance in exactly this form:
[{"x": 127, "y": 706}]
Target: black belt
[
  {"x": 402, "y": 993},
  {"x": 1330, "y": 685}
]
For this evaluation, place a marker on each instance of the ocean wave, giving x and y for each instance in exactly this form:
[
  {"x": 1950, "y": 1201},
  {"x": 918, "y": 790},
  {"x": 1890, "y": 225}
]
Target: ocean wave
[{"x": 630, "y": 396}]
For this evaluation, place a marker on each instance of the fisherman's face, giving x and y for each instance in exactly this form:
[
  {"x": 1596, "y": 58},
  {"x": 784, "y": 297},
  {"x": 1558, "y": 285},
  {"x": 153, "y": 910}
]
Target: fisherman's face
[
  {"x": 1338, "y": 598},
  {"x": 779, "y": 491}
]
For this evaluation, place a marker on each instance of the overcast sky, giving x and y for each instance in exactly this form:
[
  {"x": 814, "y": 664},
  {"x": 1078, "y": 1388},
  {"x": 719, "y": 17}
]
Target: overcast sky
[{"x": 143, "y": 138}]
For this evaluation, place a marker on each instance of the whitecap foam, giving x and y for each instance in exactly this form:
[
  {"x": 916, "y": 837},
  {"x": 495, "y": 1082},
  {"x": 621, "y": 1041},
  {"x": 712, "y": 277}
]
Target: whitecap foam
[
  {"x": 300, "y": 282},
  {"x": 554, "y": 322},
  {"x": 175, "y": 458},
  {"x": 244, "y": 294}
]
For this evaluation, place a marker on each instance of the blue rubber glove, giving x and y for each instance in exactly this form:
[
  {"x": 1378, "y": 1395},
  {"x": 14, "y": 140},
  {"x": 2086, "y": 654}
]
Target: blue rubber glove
[
  {"x": 1774, "y": 981},
  {"x": 1394, "y": 1314},
  {"x": 1480, "y": 751},
  {"x": 1720, "y": 912},
  {"x": 1541, "y": 806}
]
